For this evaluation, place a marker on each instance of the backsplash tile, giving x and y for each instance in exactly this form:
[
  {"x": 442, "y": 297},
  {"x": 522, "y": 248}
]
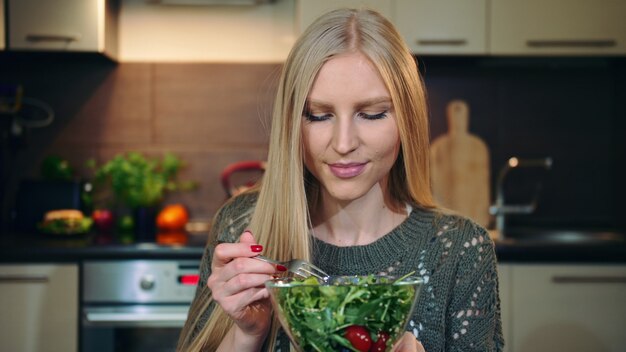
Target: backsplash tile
[{"x": 212, "y": 115}]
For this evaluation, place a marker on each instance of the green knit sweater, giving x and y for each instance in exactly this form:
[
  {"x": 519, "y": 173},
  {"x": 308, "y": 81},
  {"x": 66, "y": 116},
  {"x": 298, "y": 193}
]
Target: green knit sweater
[{"x": 458, "y": 308}]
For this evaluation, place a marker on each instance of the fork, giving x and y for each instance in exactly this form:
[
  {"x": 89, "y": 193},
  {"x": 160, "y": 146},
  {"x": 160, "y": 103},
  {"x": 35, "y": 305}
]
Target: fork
[{"x": 298, "y": 267}]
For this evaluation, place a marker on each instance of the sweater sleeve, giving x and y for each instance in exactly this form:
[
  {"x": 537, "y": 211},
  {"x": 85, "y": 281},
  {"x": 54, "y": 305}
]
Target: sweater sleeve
[
  {"x": 474, "y": 322},
  {"x": 228, "y": 224}
]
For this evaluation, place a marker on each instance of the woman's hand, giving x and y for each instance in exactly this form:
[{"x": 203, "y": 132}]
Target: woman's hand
[
  {"x": 408, "y": 343},
  {"x": 236, "y": 282}
]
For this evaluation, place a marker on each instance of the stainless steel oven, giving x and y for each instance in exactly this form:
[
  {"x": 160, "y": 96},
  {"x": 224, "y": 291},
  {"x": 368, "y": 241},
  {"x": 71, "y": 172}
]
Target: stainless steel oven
[{"x": 135, "y": 305}]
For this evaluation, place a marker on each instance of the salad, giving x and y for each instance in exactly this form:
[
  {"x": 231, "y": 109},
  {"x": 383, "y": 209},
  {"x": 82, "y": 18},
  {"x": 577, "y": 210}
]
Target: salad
[{"x": 353, "y": 313}]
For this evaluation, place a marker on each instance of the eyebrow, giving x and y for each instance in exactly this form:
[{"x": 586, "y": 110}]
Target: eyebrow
[{"x": 359, "y": 105}]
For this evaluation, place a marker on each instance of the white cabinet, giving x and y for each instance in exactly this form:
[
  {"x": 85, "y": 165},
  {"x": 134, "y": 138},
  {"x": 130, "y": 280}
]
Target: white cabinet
[
  {"x": 308, "y": 10},
  {"x": 63, "y": 25},
  {"x": 574, "y": 308},
  {"x": 39, "y": 308},
  {"x": 495, "y": 27},
  {"x": 442, "y": 26},
  {"x": 557, "y": 27},
  {"x": 2, "y": 25}
]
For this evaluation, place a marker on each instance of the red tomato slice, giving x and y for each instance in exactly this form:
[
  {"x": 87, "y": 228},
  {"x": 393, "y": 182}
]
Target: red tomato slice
[{"x": 359, "y": 337}]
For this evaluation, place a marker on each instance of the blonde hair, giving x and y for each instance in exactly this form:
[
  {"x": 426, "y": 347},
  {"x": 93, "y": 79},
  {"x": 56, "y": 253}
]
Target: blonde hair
[{"x": 281, "y": 219}]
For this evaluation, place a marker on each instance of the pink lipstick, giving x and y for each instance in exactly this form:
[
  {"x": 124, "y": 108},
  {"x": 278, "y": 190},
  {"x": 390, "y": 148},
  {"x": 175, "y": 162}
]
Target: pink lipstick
[{"x": 347, "y": 170}]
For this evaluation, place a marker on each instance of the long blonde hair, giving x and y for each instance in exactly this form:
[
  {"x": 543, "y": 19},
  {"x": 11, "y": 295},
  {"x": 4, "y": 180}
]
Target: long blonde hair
[{"x": 281, "y": 218}]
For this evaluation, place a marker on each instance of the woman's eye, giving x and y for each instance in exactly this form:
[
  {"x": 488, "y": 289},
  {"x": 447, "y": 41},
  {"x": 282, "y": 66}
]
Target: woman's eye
[
  {"x": 312, "y": 117},
  {"x": 373, "y": 116}
]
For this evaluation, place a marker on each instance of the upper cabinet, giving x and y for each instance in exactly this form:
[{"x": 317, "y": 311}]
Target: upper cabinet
[
  {"x": 442, "y": 26},
  {"x": 2, "y": 25},
  {"x": 557, "y": 27},
  {"x": 63, "y": 25},
  {"x": 495, "y": 27}
]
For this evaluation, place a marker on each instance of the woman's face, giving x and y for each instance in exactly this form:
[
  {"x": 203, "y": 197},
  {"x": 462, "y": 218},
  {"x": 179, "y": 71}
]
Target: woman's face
[{"x": 349, "y": 130}]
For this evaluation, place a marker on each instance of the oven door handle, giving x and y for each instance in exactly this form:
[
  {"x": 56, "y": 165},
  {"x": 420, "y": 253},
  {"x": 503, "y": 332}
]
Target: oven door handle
[{"x": 144, "y": 319}]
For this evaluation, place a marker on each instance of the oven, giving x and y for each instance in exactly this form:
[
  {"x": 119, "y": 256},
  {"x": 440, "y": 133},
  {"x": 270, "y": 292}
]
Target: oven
[{"x": 135, "y": 305}]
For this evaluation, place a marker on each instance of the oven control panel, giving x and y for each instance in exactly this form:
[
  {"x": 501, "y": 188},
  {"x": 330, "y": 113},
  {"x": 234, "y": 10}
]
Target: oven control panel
[{"x": 140, "y": 281}]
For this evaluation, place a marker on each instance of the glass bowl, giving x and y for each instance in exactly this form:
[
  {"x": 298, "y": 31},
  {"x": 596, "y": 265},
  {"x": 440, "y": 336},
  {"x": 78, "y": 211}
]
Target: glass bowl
[{"x": 353, "y": 313}]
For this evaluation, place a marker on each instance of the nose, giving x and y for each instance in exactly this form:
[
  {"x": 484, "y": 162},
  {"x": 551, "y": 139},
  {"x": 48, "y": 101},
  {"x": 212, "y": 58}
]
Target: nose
[{"x": 345, "y": 135}]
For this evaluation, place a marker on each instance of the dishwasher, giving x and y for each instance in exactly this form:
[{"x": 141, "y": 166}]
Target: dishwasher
[{"x": 135, "y": 305}]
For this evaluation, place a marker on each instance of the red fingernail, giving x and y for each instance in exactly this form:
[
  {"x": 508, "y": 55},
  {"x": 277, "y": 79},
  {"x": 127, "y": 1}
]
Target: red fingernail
[
  {"x": 281, "y": 267},
  {"x": 256, "y": 248}
]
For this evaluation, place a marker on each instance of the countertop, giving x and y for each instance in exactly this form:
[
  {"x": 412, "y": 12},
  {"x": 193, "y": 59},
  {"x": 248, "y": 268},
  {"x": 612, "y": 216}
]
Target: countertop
[{"x": 38, "y": 248}]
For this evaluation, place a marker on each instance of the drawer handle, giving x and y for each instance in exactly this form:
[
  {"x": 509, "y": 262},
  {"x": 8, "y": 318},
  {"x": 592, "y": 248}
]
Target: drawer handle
[
  {"x": 589, "y": 279},
  {"x": 23, "y": 279},
  {"x": 437, "y": 42},
  {"x": 52, "y": 37},
  {"x": 575, "y": 43}
]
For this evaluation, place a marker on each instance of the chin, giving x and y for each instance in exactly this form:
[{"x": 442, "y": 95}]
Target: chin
[{"x": 347, "y": 194}]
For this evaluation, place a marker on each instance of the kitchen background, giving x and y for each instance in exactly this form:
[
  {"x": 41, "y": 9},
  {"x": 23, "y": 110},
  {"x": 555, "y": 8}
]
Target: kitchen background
[
  {"x": 542, "y": 78},
  {"x": 188, "y": 88}
]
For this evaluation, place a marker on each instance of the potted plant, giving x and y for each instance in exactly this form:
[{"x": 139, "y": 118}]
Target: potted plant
[{"x": 140, "y": 183}]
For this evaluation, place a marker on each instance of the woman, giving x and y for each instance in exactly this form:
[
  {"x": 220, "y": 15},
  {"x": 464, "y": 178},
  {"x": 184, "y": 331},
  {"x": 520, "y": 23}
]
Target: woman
[{"x": 347, "y": 186}]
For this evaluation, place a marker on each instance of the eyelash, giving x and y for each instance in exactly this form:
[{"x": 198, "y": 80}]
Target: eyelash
[{"x": 315, "y": 118}]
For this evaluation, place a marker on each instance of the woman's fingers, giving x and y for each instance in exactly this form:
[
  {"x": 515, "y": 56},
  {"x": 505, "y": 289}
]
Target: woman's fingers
[
  {"x": 224, "y": 253},
  {"x": 238, "y": 302},
  {"x": 408, "y": 343},
  {"x": 233, "y": 269},
  {"x": 243, "y": 282}
]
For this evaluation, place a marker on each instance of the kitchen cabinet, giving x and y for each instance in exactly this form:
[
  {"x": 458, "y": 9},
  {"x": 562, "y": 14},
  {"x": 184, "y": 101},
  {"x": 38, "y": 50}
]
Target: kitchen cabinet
[
  {"x": 504, "y": 289},
  {"x": 2, "y": 25},
  {"x": 557, "y": 27},
  {"x": 442, "y": 26},
  {"x": 563, "y": 307},
  {"x": 39, "y": 307},
  {"x": 307, "y": 11},
  {"x": 63, "y": 25}
]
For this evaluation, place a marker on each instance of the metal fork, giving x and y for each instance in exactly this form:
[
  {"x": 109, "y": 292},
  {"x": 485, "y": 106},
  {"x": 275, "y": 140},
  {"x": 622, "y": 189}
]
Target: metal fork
[{"x": 298, "y": 267}]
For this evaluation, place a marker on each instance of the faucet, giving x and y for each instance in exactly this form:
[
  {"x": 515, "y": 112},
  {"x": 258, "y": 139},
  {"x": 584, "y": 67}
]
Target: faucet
[{"x": 500, "y": 209}]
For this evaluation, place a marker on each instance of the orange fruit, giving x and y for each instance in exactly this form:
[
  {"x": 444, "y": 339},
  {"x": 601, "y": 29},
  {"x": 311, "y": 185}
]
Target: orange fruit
[{"x": 172, "y": 217}]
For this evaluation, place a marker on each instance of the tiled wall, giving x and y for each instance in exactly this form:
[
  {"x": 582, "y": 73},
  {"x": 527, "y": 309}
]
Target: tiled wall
[
  {"x": 210, "y": 115},
  {"x": 215, "y": 114}
]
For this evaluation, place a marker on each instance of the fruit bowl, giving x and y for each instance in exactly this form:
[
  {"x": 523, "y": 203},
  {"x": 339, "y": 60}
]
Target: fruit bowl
[{"x": 351, "y": 313}]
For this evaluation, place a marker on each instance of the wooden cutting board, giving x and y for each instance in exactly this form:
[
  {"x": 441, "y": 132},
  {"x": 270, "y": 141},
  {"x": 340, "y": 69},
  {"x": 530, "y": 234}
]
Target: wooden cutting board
[{"x": 460, "y": 167}]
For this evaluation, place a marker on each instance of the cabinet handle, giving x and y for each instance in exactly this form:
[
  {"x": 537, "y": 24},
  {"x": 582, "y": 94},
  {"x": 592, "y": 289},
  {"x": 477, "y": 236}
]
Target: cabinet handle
[
  {"x": 574, "y": 43},
  {"x": 589, "y": 279},
  {"x": 436, "y": 42},
  {"x": 23, "y": 279},
  {"x": 53, "y": 37}
]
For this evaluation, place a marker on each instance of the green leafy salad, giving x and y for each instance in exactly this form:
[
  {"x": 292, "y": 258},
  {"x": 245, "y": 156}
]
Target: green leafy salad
[{"x": 354, "y": 313}]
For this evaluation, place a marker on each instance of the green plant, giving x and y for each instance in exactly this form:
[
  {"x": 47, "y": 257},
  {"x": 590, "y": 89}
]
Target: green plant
[{"x": 138, "y": 181}]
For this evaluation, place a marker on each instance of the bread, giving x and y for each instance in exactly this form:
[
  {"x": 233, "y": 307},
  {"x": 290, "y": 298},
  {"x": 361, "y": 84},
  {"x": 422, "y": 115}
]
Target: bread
[{"x": 63, "y": 214}]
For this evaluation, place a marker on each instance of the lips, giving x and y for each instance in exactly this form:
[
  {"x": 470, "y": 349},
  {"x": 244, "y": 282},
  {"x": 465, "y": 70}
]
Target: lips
[{"x": 347, "y": 170}]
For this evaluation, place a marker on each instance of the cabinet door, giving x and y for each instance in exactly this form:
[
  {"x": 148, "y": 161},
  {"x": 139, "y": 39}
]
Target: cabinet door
[
  {"x": 443, "y": 26},
  {"x": 2, "y": 25},
  {"x": 307, "y": 11},
  {"x": 506, "y": 297},
  {"x": 38, "y": 308},
  {"x": 71, "y": 25},
  {"x": 558, "y": 27},
  {"x": 570, "y": 308}
]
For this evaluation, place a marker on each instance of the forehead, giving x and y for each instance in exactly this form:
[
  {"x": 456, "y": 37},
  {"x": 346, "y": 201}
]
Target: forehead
[{"x": 347, "y": 75}]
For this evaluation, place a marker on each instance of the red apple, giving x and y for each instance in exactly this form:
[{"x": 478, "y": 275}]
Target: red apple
[{"x": 103, "y": 220}]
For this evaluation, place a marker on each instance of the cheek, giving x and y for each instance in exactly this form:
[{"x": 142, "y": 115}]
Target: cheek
[
  {"x": 387, "y": 145},
  {"x": 310, "y": 145}
]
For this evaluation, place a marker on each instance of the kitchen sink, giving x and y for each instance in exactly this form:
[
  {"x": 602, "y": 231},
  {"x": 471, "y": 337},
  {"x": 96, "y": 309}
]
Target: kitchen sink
[{"x": 569, "y": 236}]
